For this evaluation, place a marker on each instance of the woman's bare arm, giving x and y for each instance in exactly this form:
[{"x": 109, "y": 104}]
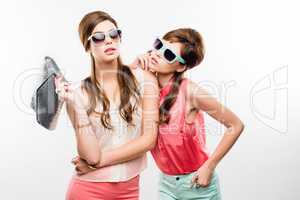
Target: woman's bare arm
[
  {"x": 138, "y": 146},
  {"x": 87, "y": 143},
  {"x": 201, "y": 100}
]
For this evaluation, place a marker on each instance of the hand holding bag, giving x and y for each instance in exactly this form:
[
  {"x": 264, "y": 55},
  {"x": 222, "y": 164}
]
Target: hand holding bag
[{"x": 45, "y": 101}]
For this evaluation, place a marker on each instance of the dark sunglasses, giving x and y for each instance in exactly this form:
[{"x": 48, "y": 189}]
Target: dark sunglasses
[
  {"x": 168, "y": 54},
  {"x": 98, "y": 37}
]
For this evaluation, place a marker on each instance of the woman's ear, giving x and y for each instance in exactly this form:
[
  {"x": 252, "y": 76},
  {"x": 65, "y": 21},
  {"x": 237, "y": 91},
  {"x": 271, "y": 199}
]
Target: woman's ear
[{"x": 182, "y": 68}]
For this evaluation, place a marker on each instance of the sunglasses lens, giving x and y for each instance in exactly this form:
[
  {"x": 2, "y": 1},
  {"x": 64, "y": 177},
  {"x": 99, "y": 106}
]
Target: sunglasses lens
[
  {"x": 157, "y": 44},
  {"x": 115, "y": 34},
  {"x": 98, "y": 38},
  {"x": 169, "y": 55}
]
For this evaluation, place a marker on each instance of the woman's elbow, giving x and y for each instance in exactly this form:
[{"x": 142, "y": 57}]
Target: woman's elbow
[
  {"x": 92, "y": 158},
  {"x": 240, "y": 127}
]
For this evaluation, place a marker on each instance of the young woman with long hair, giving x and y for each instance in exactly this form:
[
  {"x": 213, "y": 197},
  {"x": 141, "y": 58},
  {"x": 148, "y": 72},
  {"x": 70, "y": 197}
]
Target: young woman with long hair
[
  {"x": 187, "y": 168},
  {"x": 110, "y": 108}
]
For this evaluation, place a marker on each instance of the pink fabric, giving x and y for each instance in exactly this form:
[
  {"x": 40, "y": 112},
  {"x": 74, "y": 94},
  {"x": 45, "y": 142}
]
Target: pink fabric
[
  {"x": 84, "y": 190},
  {"x": 181, "y": 146}
]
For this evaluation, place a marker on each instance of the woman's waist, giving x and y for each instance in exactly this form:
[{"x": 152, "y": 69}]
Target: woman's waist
[
  {"x": 179, "y": 160},
  {"x": 172, "y": 177}
]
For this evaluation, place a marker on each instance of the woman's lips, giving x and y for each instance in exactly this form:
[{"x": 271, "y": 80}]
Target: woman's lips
[{"x": 109, "y": 50}]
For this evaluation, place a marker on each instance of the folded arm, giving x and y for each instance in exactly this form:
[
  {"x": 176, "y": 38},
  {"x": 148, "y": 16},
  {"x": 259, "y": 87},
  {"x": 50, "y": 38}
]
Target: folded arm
[
  {"x": 147, "y": 140},
  {"x": 87, "y": 144}
]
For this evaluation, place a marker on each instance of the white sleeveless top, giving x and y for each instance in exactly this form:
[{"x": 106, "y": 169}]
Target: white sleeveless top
[{"x": 110, "y": 139}]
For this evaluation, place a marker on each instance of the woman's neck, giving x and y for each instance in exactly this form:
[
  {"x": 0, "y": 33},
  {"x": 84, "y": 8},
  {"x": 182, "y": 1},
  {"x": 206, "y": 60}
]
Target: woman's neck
[
  {"x": 163, "y": 79},
  {"x": 106, "y": 71}
]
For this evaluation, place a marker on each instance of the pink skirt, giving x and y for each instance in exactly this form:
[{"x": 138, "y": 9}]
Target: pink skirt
[{"x": 84, "y": 190}]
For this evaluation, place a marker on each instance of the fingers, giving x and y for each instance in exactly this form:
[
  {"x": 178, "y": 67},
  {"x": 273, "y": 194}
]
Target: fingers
[
  {"x": 78, "y": 171},
  {"x": 78, "y": 165},
  {"x": 56, "y": 81},
  {"x": 81, "y": 167},
  {"x": 194, "y": 180},
  {"x": 145, "y": 61},
  {"x": 62, "y": 94},
  {"x": 201, "y": 182},
  {"x": 142, "y": 62},
  {"x": 75, "y": 160},
  {"x": 63, "y": 89},
  {"x": 59, "y": 85},
  {"x": 150, "y": 63},
  {"x": 153, "y": 63}
]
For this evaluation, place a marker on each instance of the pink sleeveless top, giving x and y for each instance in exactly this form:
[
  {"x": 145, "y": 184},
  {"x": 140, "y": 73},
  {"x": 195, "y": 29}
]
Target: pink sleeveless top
[{"x": 180, "y": 147}]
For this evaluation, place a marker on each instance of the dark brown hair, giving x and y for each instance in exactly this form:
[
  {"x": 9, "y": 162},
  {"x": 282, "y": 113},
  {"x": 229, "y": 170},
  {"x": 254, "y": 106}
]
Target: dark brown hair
[
  {"x": 192, "y": 51},
  {"x": 126, "y": 80}
]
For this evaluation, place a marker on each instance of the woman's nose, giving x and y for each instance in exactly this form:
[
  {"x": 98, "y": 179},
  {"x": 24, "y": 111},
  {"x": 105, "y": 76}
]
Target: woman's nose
[
  {"x": 107, "y": 40},
  {"x": 155, "y": 53}
]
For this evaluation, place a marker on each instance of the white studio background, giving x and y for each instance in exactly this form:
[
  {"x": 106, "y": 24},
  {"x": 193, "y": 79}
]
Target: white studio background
[{"x": 250, "y": 66}]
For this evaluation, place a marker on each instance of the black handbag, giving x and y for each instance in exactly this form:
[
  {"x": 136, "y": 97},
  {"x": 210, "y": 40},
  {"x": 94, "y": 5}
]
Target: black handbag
[{"x": 45, "y": 101}]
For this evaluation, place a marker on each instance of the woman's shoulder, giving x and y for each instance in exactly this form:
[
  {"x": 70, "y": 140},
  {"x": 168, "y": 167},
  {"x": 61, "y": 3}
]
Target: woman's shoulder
[
  {"x": 194, "y": 89},
  {"x": 145, "y": 78},
  {"x": 143, "y": 75}
]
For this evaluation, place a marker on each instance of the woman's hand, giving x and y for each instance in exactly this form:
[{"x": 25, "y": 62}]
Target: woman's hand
[
  {"x": 203, "y": 176},
  {"x": 65, "y": 92},
  {"x": 81, "y": 166},
  {"x": 144, "y": 61}
]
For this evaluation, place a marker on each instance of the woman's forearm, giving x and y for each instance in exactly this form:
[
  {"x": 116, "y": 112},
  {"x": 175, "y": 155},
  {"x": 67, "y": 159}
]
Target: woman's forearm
[
  {"x": 126, "y": 152},
  {"x": 87, "y": 143},
  {"x": 230, "y": 137}
]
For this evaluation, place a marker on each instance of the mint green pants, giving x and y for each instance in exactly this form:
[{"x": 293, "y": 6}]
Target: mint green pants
[{"x": 179, "y": 187}]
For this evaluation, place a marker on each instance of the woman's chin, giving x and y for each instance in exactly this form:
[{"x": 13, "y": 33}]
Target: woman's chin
[{"x": 110, "y": 58}]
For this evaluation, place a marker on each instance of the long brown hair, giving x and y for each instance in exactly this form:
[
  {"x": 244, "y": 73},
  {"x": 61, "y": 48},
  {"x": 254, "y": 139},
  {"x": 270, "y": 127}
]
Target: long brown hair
[
  {"x": 126, "y": 80},
  {"x": 192, "y": 51}
]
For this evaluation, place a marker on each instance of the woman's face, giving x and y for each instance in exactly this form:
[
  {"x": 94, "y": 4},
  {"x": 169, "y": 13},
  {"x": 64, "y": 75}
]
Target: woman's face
[
  {"x": 109, "y": 49},
  {"x": 159, "y": 63}
]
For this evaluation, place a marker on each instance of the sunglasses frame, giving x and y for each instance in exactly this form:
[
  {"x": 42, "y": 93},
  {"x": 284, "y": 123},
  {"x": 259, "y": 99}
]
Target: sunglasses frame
[
  {"x": 164, "y": 48},
  {"x": 107, "y": 34}
]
